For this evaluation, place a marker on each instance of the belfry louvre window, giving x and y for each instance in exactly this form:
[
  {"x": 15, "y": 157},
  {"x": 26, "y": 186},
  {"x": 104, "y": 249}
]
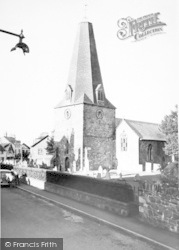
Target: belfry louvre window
[
  {"x": 123, "y": 142},
  {"x": 100, "y": 93},
  {"x": 68, "y": 92},
  {"x": 100, "y": 96}
]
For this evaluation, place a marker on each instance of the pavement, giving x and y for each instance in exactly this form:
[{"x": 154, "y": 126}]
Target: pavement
[{"x": 130, "y": 225}]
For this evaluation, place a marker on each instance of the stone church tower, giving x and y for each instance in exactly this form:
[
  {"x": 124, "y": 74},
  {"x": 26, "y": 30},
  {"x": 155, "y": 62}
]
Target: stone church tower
[{"x": 85, "y": 119}]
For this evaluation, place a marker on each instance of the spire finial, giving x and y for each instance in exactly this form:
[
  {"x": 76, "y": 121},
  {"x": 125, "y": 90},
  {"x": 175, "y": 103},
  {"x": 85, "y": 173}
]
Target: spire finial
[{"x": 85, "y": 9}]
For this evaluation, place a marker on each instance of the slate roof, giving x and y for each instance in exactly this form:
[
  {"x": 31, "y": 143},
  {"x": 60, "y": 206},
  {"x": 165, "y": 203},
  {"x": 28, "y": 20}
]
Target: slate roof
[
  {"x": 84, "y": 73},
  {"x": 118, "y": 122},
  {"x": 40, "y": 139},
  {"x": 145, "y": 130},
  {"x": 25, "y": 145},
  {"x": 10, "y": 139}
]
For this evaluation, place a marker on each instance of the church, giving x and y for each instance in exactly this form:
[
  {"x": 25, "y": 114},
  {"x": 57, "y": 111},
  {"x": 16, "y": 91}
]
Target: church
[
  {"x": 85, "y": 122},
  {"x": 85, "y": 119}
]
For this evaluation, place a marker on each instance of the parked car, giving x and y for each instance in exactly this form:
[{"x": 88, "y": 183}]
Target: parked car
[{"x": 4, "y": 173}]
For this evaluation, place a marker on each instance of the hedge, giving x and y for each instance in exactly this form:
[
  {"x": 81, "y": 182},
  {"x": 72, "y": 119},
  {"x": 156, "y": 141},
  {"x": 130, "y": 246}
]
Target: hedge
[
  {"x": 105, "y": 188},
  {"x": 6, "y": 166}
]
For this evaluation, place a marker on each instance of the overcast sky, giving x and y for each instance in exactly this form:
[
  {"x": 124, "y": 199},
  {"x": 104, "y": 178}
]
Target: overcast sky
[{"x": 140, "y": 77}]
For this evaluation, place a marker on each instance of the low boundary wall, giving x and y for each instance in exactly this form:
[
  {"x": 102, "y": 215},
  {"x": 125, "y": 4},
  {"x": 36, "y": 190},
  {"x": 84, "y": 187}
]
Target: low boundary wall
[
  {"x": 34, "y": 176},
  {"x": 76, "y": 188},
  {"x": 160, "y": 210},
  {"x": 120, "y": 208}
]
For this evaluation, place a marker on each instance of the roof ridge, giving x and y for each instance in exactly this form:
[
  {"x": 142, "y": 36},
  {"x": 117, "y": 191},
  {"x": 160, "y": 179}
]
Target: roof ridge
[
  {"x": 39, "y": 141},
  {"x": 141, "y": 122}
]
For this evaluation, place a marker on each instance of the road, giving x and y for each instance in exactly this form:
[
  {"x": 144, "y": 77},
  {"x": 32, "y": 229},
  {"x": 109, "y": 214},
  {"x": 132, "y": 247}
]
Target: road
[{"x": 24, "y": 215}]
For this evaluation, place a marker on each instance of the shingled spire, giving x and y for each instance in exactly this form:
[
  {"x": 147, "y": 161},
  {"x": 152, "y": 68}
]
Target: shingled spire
[{"x": 84, "y": 83}]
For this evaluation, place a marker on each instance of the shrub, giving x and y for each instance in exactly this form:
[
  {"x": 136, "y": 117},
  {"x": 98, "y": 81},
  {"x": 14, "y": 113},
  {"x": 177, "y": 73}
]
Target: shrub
[
  {"x": 169, "y": 176},
  {"x": 6, "y": 166}
]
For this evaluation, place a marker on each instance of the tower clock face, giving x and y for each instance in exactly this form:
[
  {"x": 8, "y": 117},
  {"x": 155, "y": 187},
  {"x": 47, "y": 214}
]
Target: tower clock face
[
  {"x": 67, "y": 113},
  {"x": 99, "y": 114}
]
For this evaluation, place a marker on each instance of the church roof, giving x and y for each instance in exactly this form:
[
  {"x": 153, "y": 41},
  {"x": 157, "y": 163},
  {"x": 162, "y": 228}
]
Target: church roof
[
  {"x": 84, "y": 74},
  {"x": 118, "y": 122},
  {"x": 145, "y": 130}
]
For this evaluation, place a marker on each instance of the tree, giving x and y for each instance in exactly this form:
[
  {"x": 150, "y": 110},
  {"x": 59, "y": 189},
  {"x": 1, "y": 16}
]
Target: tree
[
  {"x": 169, "y": 126},
  {"x": 169, "y": 174},
  {"x": 25, "y": 155},
  {"x": 57, "y": 160},
  {"x": 53, "y": 149},
  {"x": 51, "y": 146}
]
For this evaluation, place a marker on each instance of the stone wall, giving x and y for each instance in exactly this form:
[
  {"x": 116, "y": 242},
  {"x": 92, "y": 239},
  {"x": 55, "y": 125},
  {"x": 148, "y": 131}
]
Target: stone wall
[
  {"x": 120, "y": 208},
  {"x": 160, "y": 210},
  {"x": 99, "y": 136},
  {"x": 34, "y": 176},
  {"x": 158, "y": 154},
  {"x": 120, "y": 201}
]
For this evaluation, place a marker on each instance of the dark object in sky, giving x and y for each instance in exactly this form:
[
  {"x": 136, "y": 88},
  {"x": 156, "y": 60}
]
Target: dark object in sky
[{"x": 21, "y": 45}]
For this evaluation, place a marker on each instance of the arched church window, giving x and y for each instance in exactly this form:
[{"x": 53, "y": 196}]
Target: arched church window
[
  {"x": 149, "y": 152},
  {"x": 124, "y": 142},
  {"x": 67, "y": 147}
]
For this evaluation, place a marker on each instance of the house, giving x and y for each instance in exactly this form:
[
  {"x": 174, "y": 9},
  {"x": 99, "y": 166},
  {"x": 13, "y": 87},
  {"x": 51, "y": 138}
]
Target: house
[
  {"x": 2, "y": 153},
  {"x": 25, "y": 148},
  {"x": 9, "y": 153},
  {"x": 12, "y": 149},
  {"x": 139, "y": 147},
  {"x": 38, "y": 152},
  {"x": 16, "y": 144}
]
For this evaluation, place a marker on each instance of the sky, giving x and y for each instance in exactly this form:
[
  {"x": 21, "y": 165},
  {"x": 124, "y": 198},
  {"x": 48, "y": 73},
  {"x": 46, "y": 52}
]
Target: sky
[{"x": 140, "y": 77}]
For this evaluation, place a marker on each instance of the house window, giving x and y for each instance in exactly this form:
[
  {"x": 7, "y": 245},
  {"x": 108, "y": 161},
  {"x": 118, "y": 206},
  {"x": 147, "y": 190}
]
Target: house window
[
  {"x": 123, "y": 142},
  {"x": 149, "y": 152},
  {"x": 40, "y": 151}
]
